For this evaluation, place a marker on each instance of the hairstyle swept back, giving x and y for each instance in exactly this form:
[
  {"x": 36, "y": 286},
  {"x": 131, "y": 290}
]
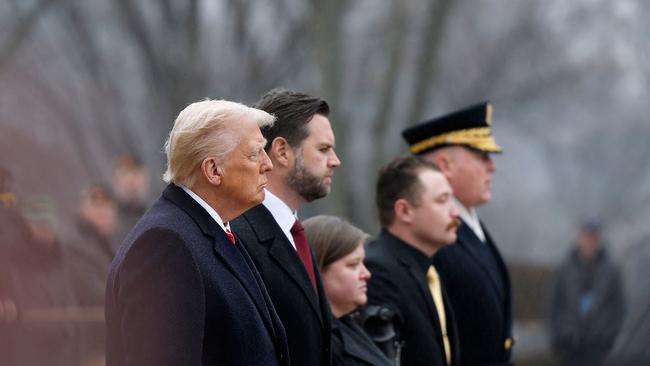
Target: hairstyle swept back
[
  {"x": 205, "y": 129},
  {"x": 293, "y": 111},
  {"x": 332, "y": 238},
  {"x": 399, "y": 179}
]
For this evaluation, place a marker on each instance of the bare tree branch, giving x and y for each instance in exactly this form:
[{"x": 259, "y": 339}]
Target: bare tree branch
[
  {"x": 387, "y": 98},
  {"x": 424, "y": 69},
  {"x": 137, "y": 28},
  {"x": 24, "y": 28}
]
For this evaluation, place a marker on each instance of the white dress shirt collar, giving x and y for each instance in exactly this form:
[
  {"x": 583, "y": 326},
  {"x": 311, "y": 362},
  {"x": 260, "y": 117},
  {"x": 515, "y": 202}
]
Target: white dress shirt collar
[
  {"x": 470, "y": 218},
  {"x": 208, "y": 208},
  {"x": 281, "y": 213}
]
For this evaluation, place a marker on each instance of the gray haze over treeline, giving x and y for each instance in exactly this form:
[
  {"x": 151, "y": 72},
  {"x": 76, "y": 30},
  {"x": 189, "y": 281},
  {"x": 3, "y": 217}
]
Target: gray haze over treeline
[{"x": 83, "y": 81}]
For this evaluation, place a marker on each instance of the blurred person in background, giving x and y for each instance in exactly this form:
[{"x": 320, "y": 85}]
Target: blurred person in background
[
  {"x": 182, "y": 289},
  {"x": 130, "y": 185},
  {"x": 41, "y": 285},
  {"x": 473, "y": 271},
  {"x": 339, "y": 251},
  {"x": 98, "y": 217},
  {"x": 587, "y": 301},
  {"x": 418, "y": 218},
  {"x": 7, "y": 198},
  {"x": 13, "y": 234},
  {"x": 90, "y": 257},
  {"x": 301, "y": 146}
]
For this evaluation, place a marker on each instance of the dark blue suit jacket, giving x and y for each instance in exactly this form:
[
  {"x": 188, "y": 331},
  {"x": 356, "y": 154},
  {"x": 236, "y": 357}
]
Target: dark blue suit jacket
[
  {"x": 478, "y": 285},
  {"x": 305, "y": 313},
  {"x": 180, "y": 293}
]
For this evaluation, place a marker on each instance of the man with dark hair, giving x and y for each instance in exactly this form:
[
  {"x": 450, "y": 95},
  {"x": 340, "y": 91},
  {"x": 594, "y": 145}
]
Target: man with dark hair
[
  {"x": 296, "y": 110},
  {"x": 475, "y": 276},
  {"x": 417, "y": 217},
  {"x": 301, "y": 147}
]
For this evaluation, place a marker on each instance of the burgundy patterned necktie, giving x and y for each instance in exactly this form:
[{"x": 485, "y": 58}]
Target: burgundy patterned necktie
[{"x": 299, "y": 238}]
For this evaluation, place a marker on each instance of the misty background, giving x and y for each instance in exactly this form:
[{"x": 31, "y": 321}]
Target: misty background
[{"x": 84, "y": 81}]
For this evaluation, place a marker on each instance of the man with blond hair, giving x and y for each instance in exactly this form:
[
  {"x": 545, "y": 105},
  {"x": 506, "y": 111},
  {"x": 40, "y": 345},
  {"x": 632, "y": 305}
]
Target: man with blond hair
[{"x": 181, "y": 289}]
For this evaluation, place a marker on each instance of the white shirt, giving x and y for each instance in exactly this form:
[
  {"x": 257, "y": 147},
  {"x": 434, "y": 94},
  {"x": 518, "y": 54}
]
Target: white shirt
[
  {"x": 470, "y": 218},
  {"x": 281, "y": 213},
  {"x": 215, "y": 216}
]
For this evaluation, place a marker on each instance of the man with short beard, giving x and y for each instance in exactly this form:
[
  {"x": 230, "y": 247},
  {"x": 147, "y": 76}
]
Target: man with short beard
[{"x": 301, "y": 147}]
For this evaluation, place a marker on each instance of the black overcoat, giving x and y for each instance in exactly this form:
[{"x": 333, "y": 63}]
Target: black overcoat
[
  {"x": 305, "y": 315},
  {"x": 352, "y": 347},
  {"x": 180, "y": 293},
  {"x": 478, "y": 285},
  {"x": 399, "y": 282}
]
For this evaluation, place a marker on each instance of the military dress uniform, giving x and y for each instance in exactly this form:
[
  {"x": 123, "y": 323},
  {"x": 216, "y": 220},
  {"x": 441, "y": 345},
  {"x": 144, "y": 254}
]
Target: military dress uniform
[{"x": 472, "y": 269}]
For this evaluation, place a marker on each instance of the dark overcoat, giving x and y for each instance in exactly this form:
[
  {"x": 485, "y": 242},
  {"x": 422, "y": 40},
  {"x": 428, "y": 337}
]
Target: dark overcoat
[
  {"x": 478, "y": 285},
  {"x": 351, "y": 346},
  {"x": 305, "y": 315},
  {"x": 180, "y": 293},
  {"x": 575, "y": 330},
  {"x": 399, "y": 282}
]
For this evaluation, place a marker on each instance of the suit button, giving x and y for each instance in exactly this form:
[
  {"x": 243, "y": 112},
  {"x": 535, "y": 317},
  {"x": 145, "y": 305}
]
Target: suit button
[{"x": 508, "y": 343}]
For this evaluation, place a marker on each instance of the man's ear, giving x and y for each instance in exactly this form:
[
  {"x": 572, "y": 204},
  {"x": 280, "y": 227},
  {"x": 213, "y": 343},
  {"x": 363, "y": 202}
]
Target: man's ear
[
  {"x": 403, "y": 211},
  {"x": 443, "y": 161},
  {"x": 281, "y": 152},
  {"x": 212, "y": 171}
]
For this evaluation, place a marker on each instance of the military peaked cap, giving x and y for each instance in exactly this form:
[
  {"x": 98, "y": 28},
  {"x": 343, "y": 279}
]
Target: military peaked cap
[{"x": 471, "y": 127}]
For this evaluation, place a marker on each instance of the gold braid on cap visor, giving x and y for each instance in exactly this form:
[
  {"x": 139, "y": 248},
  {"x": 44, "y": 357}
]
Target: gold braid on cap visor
[{"x": 479, "y": 138}]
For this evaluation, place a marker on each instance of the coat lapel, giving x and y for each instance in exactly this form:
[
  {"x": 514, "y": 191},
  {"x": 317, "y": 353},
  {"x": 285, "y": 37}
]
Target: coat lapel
[
  {"x": 281, "y": 250},
  {"x": 422, "y": 285},
  {"x": 497, "y": 256},
  {"x": 239, "y": 267},
  {"x": 352, "y": 346},
  {"x": 470, "y": 243},
  {"x": 506, "y": 281},
  {"x": 277, "y": 328},
  {"x": 224, "y": 249}
]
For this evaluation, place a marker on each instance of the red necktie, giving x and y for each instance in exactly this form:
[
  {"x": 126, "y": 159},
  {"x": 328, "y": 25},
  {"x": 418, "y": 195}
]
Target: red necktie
[
  {"x": 230, "y": 235},
  {"x": 299, "y": 238}
]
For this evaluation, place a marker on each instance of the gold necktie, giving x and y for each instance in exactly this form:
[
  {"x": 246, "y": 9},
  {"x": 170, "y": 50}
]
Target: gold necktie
[{"x": 433, "y": 279}]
